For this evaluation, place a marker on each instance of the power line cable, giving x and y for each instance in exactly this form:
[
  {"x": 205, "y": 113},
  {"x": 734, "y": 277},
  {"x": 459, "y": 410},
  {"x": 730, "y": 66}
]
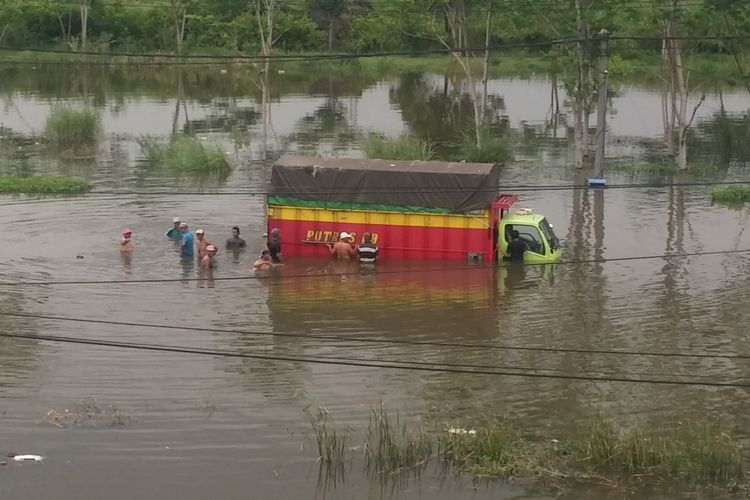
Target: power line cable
[
  {"x": 363, "y": 55},
  {"x": 383, "y": 364},
  {"x": 282, "y": 277},
  {"x": 387, "y": 342},
  {"x": 417, "y": 190}
]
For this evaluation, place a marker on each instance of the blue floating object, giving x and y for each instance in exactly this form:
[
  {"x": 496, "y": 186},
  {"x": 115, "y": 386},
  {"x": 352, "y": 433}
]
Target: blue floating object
[{"x": 593, "y": 181}]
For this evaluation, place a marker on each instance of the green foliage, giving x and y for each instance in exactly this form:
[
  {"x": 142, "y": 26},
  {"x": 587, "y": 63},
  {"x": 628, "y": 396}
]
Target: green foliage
[
  {"x": 492, "y": 149},
  {"x": 185, "y": 154},
  {"x": 737, "y": 194},
  {"x": 498, "y": 447},
  {"x": 42, "y": 184},
  {"x": 400, "y": 148},
  {"x": 390, "y": 446},
  {"x": 72, "y": 128},
  {"x": 694, "y": 451}
]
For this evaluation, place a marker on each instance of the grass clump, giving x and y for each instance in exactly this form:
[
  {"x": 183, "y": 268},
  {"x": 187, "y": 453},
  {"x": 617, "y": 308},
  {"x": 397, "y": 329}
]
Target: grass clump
[
  {"x": 404, "y": 147},
  {"x": 73, "y": 128},
  {"x": 331, "y": 442},
  {"x": 185, "y": 154},
  {"x": 391, "y": 447},
  {"x": 492, "y": 149},
  {"x": 497, "y": 449},
  {"x": 42, "y": 184},
  {"x": 695, "y": 452},
  {"x": 731, "y": 194}
]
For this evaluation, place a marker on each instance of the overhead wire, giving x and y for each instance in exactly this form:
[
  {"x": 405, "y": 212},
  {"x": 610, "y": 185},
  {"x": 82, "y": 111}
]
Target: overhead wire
[
  {"x": 380, "y": 364},
  {"x": 282, "y": 277},
  {"x": 381, "y": 341},
  {"x": 505, "y": 189}
]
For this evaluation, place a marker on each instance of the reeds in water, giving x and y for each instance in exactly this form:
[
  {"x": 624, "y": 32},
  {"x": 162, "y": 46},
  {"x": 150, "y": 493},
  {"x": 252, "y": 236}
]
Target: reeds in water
[
  {"x": 185, "y": 154},
  {"x": 73, "y": 129},
  {"x": 731, "y": 194},
  {"x": 404, "y": 147},
  {"x": 42, "y": 184}
]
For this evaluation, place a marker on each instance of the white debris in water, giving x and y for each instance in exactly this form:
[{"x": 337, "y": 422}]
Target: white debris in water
[
  {"x": 554, "y": 441},
  {"x": 223, "y": 72},
  {"x": 28, "y": 458},
  {"x": 462, "y": 432}
]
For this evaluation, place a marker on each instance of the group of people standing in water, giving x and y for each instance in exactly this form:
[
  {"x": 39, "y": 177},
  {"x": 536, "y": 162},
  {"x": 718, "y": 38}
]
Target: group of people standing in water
[{"x": 192, "y": 243}]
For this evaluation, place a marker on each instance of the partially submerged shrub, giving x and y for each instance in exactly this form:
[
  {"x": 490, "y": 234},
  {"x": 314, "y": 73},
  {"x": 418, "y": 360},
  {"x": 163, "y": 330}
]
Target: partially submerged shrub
[
  {"x": 404, "y": 147},
  {"x": 185, "y": 154},
  {"x": 73, "y": 128},
  {"x": 43, "y": 184},
  {"x": 731, "y": 194}
]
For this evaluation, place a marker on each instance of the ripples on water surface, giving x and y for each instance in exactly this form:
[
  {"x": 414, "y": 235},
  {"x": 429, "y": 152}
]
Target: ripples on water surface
[{"x": 201, "y": 426}]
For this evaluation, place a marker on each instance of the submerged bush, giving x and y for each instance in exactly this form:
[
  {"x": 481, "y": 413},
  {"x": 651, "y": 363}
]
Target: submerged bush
[
  {"x": 42, "y": 184},
  {"x": 185, "y": 154},
  {"x": 73, "y": 128},
  {"x": 731, "y": 194},
  {"x": 404, "y": 147},
  {"x": 492, "y": 149}
]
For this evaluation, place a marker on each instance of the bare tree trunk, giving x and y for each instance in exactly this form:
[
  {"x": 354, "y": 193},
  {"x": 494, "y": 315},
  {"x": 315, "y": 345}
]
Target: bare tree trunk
[
  {"x": 485, "y": 68},
  {"x": 578, "y": 104},
  {"x": 179, "y": 16},
  {"x": 85, "y": 4},
  {"x": 667, "y": 93},
  {"x": 331, "y": 25}
]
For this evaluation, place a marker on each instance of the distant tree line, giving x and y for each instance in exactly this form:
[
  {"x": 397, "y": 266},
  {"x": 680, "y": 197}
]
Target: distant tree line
[{"x": 352, "y": 25}]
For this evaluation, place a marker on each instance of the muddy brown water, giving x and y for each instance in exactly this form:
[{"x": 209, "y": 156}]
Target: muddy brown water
[{"x": 167, "y": 425}]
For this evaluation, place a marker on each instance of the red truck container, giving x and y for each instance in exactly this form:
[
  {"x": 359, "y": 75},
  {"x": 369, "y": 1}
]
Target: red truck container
[{"x": 413, "y": 209}]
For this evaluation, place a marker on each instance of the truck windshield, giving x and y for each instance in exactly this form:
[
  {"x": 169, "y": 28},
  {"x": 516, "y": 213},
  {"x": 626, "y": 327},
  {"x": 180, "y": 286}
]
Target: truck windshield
[{"x": 549, "y": 234}]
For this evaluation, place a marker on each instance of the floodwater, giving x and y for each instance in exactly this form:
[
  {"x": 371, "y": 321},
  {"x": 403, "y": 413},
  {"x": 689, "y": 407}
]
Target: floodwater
[{"x": 127, "y": 423}]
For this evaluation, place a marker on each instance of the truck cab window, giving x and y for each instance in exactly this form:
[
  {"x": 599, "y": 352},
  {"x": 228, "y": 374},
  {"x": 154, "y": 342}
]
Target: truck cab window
[{"x": 530, "y": 235}]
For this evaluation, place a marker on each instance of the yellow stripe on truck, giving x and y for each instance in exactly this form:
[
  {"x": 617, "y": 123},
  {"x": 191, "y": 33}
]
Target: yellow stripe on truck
[{"x": 457, "y": 221}]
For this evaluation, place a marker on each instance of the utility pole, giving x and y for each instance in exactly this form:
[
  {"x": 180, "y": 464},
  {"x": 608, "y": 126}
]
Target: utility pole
[{"x": 601, "y": 116}]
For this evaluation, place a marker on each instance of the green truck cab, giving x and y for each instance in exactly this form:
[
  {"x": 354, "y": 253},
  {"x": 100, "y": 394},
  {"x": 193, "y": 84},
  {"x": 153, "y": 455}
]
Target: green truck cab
[{"x": 543, "y": 245}]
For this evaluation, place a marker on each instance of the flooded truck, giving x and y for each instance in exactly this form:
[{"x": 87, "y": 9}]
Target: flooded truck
[{"x": 429, "y": 210}]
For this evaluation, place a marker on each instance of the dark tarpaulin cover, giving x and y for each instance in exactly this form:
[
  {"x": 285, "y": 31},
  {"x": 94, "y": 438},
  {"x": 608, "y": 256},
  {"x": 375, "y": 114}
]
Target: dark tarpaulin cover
[{"x": 459, "y": 187}]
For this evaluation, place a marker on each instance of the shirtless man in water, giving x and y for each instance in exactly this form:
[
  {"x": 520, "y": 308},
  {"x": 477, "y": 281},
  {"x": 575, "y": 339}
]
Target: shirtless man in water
[
  {"x": 209, "y": 261},
  {"x": 343, "y": 249},
  {"x": 126, "y": 242},
  {"x": 202, "y": 244},
  {"x": 264, "y": 262}
]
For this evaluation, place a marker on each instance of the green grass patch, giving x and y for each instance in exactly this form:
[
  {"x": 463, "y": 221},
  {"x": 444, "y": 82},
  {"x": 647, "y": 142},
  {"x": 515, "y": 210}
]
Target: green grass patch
[
  {"x": 694, "y": 453},
  {"x": 42, "y": 184},
  {"x": 492, "y": 148},
  {"x": 185, "y": 154},
  {"x": 404, "y": 147},
  {"x": 737, "y": 194},
  {"x": 72, "y": 128}
]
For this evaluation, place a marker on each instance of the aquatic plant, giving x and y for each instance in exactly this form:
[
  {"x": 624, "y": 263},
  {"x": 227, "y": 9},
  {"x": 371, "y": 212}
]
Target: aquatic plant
[
  {"x": 404, "y": 147},
  {"x": 330, "y": 441},
  {"x": 390, "y": 446},
  {"x": 731, "y": 194},
  {"x": 42, "y": 184},
  {"x": 72, "y": 128},
  {"x": 493, "y": 149},
  {"x": 694, "y": 451},
  {"x": 497, "y": 447},
  {"x": 185, "y": 154}
]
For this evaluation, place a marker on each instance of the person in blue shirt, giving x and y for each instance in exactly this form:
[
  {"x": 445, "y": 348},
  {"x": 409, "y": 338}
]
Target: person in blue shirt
[{"x": 187, "y": 241}]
